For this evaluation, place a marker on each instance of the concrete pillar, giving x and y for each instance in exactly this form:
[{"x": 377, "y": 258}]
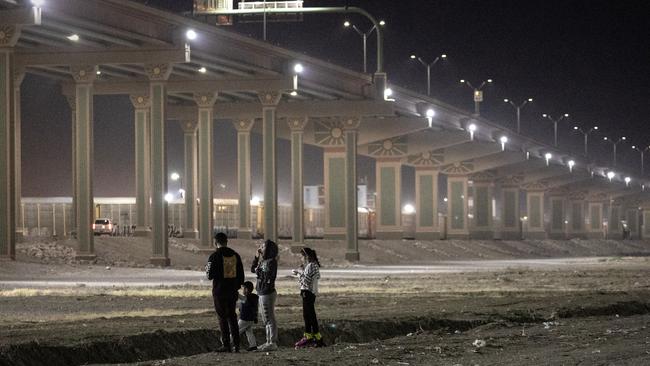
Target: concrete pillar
[
  {"x": 534, "y": 225},
  {"x": 614, "y": 229},
  {"x": 72, "y": 102},
  {"x": 427, "y": 226},
  {"x": 646, "y": 223},
  {"x": 205, "y": 103},
  {"x": 158, "y": 75},
  {"x": 270, "y": 101},
  {"x": 577, "y": 218},
  {"x": 388, "y": 202},
  {"x": 351, "y": 126},
  {"x": 457, "y": 226},
  {"x": 7, "y": 145},
  {"x": 244, "y": 127},
  {"x": 334, "y": 183},
  {"x": 595, "y": 215},
  {"x": 18, "y": 79},
  {"x": 632, "y": 217},
  {"x": 142, "y": 129},
  {"x": 557, "y": 228},
  {"x": 84, "y": 77},
  {"x": 510, "y": 216},
  {"x": 190, "y": 227},
  {"x": 297, "y": 127},
  {"x": 482, "y": 223}
]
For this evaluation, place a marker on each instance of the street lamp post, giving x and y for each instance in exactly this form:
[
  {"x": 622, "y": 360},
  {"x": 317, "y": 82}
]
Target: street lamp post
[
  {"x": 478, "y": 93},
  {"x": 364, "y": 36},
  {"x": 429, "y": 66},
  {"x": 586, "y": 134},
  {"x": 555, "y": 122},
  {"x": 642, "y": 152},
  {"x": 518, "y": 107},
  {"x": 614, "y": 143},
  {"x": 177, "y": 177}
]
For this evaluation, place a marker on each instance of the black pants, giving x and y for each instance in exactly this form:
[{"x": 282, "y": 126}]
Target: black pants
[
  {"x": 225, "y": 307},
  {"x": 309, "y": 311}
]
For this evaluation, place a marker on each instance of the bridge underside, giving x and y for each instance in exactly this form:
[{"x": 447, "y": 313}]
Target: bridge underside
[{"x": 489, "y": 189}]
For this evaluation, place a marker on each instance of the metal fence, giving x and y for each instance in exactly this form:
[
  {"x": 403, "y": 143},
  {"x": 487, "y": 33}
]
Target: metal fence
[{"x": 52, "y": 216}]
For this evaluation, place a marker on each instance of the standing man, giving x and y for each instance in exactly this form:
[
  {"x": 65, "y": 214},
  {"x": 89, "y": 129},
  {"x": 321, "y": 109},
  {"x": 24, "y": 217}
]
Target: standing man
[{"x": 226, "y": 271}]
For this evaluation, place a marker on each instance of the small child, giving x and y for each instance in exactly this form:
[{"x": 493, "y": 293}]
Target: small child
[
  {"x": 308, "y": 279},
  {"x": 248, "y": 314}
]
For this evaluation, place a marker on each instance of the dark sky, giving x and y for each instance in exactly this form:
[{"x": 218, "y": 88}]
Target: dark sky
[{"x": 586, "y": 58}]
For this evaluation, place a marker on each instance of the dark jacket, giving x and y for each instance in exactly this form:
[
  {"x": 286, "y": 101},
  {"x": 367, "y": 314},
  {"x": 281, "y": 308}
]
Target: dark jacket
[
  {"x": 266, "y": 269},
  {"x": 226, "y": 271},
  {"x": 248, "y": 310}
]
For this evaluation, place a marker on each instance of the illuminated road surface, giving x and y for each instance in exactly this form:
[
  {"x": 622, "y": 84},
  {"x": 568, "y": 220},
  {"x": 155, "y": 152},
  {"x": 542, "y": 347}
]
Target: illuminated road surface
[{"x": 139, "y": 277}]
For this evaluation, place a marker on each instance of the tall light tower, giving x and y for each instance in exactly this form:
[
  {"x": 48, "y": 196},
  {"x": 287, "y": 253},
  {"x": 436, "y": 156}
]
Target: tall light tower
[
  {"x": 429, "y": 66},
  {"x": 642, "y": 152},
  {"x": 364, "y": 36},
  {"x": 586, "y": 134},
  {"x": 478, "y": 93},
  {"x": 614, "y": 143},
  {"x": 518, "y": 107},
  {"x": 555, "y": 122}
]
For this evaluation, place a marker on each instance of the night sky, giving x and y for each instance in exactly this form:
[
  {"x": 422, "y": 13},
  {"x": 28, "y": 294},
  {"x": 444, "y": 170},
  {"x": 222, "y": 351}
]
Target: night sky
[{"x": 586, "y": 58}]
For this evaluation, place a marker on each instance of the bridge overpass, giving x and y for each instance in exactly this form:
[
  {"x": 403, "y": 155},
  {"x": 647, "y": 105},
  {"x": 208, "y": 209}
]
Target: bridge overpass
[{"x": 495, "y": 179}]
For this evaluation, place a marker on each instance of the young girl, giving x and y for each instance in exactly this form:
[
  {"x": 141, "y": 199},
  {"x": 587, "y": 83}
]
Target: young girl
[
  {"x": 308, "y": 279},
  {"x": 265, "y": 267}
]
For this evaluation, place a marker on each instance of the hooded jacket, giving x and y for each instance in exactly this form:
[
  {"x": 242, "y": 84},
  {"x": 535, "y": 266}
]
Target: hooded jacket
[
  {"x": 226, "y": 271},
  {"x": 266, "y": 269}
]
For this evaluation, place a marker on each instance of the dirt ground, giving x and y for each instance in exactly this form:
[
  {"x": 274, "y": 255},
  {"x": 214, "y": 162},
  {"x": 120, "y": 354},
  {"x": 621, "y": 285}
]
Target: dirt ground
[{"x": 582, "y": 314}]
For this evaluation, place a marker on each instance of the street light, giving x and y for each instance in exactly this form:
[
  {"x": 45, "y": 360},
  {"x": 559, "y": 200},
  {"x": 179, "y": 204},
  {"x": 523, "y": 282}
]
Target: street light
[
  {"x": 503, "y": 140},
  {"x": 642, "y": 151},
  {"x": 191, "y": 34},
  {"x": 430, "y": 114},
  {"x": 471, "y": 128},
  {"x": 586, "y": 134},
  {"x": 555, "y": 122},
  {"x": 614, "y": 143},
  {"x": 478, "y": 94},
  {"x": 548, "y": 157},
  {"x": 429, "y": 66},
  {"x": 518, "y": 107},
  {"x": 177, "y": 177},
  {"x": 365, "y": 36}
]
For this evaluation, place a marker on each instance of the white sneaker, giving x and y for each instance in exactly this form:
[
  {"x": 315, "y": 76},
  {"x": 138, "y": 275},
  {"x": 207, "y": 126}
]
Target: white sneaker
[{"x": 266, "y": 347}]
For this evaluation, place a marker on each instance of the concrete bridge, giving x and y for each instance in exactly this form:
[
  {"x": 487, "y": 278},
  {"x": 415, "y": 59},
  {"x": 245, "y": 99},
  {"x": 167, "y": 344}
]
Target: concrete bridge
[{"x": 493, "y": 179}]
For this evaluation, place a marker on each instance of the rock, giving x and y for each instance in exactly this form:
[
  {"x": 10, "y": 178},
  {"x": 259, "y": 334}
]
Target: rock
[{"x": 479, "y": 343}]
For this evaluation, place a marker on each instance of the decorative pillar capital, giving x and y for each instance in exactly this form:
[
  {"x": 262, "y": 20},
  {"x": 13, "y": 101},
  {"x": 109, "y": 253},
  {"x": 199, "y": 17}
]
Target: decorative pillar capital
[
  {"x": 269, "y": 98},
  {"x": 189, "y": 126},
  {"x": 511, "y": 181},
  {"x": 140, "y": 101},
  {"x": 297, "y": 124},
  {"x": 244, "y": 124},
  {"x": 392, "y": 147},
  {"x": 431, "y": 158},
  {"x": 351, "y": 123},
  {"x": 85, "y": 74},
  {"x": 205, "y": 100},
  {"x": 9, "y": 35},
  {"x": 158, "y": 72}
]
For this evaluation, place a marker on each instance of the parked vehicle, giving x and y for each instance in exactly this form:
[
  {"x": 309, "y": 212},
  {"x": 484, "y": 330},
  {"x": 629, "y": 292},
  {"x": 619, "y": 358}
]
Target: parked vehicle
[{"x": 103, "y": 226}]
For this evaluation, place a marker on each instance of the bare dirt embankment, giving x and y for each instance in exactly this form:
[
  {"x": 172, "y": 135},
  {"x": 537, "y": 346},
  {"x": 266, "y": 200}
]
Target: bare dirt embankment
[
  {"x": 595, "y": 313},
  {"x": 185, "y": 253}
]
